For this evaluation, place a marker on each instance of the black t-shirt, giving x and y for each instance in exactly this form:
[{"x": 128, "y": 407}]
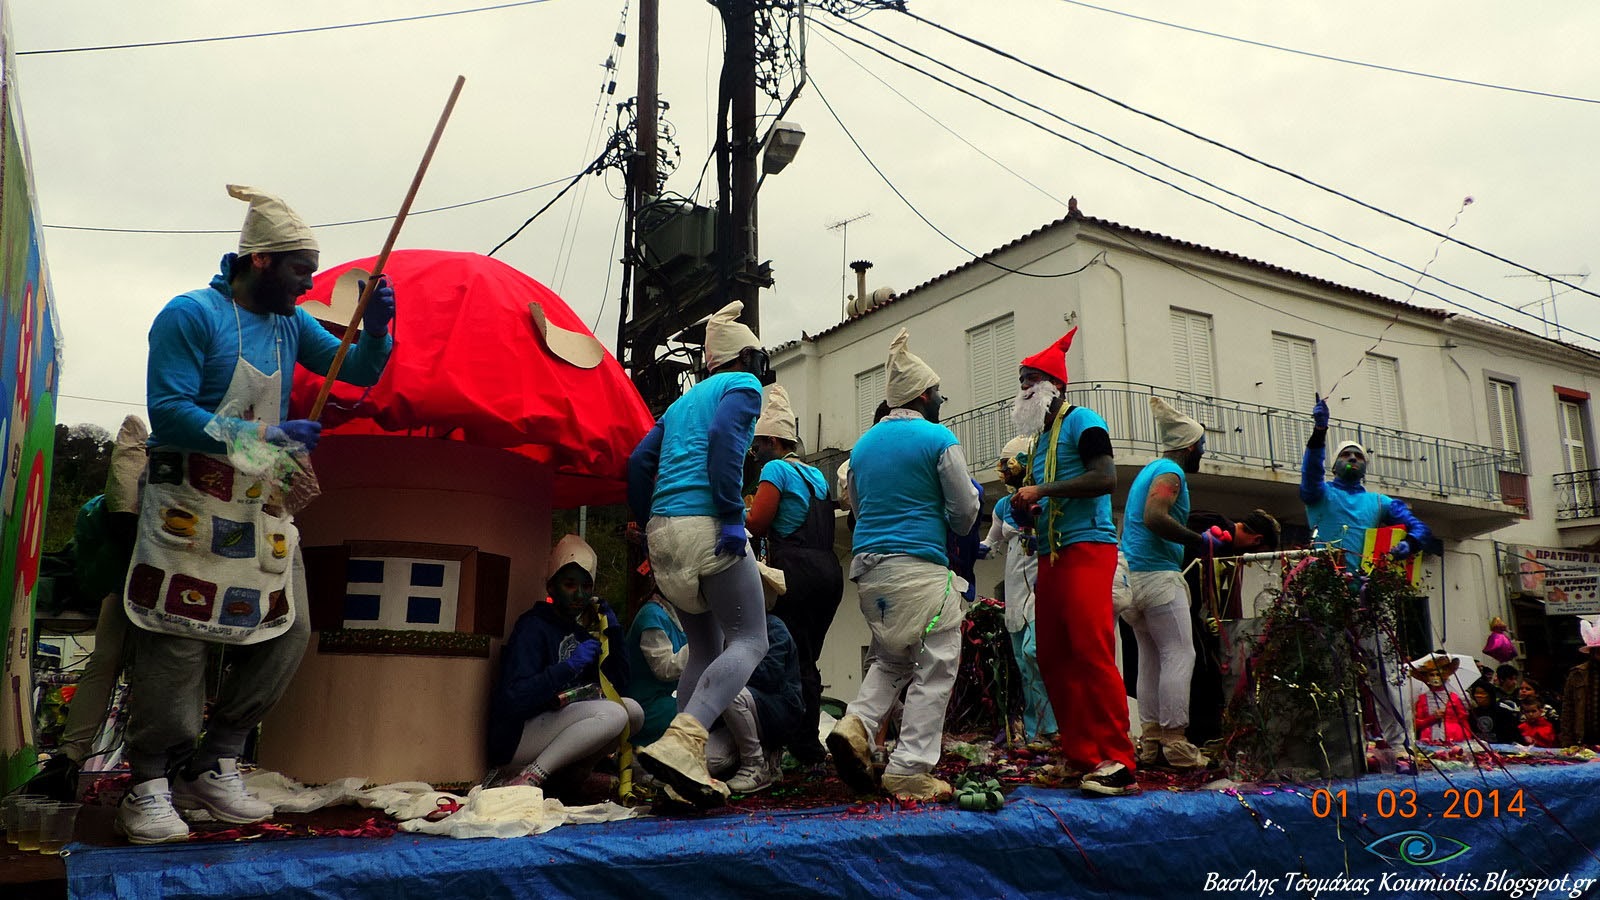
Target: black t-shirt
[{"x": 1495, "y": 724}]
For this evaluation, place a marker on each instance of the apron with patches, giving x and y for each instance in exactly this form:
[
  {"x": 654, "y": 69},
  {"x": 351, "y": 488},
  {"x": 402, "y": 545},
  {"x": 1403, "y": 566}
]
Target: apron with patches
[{"x": 213, "y": 555}]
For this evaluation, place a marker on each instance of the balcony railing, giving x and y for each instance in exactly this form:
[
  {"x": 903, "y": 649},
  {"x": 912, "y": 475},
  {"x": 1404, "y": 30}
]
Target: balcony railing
[
  {"x": 1576, "y": 493},
  {"x": 1251, "y": 434}
]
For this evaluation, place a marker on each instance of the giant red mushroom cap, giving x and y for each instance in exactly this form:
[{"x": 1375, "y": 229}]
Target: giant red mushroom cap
[{"x": 470, "y": 364}]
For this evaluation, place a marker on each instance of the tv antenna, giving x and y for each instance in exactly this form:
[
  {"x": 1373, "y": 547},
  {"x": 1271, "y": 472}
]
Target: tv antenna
[
  {"x": 1555, "y": 313},
  {"x": 843, "y": 227}
]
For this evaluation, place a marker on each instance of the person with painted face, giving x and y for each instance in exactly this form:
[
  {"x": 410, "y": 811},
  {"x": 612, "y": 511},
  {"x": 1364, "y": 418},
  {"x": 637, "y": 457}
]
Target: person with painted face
[
  {"x": 1154, "y": 539},
  {"x": 1340, "y": 511},
  {"x": 793, "y": 512},
  {"x": 550, "y": 713},
  {"x": 1066, "y": 500},
  {"x": 216, "y": 559},
  {"x": 684, "y": 485},
  {"x": 909, "y": 487},
  {"x": 1022, "y": 573}
]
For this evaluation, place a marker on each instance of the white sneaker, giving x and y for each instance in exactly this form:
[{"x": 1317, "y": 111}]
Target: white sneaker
[
  {"x": 222, "y": 794},
  {"x": 752, "y": 776},
  {"x": 146, "y": 816}
]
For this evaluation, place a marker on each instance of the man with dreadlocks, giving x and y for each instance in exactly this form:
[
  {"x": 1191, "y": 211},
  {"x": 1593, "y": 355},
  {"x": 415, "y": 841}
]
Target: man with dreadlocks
[{"x": 1067, "y": 500}]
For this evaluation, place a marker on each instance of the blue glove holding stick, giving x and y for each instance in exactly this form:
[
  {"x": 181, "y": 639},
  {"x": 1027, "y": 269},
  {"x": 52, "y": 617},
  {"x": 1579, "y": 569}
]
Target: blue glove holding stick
[
  {"x": 380, "y": 307},
  {"x": 1319, "y": 414},
  {"x": 297, "y": 431}
]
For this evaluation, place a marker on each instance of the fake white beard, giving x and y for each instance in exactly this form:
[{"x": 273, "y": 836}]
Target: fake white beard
[{"x": 1032, "y": 406}]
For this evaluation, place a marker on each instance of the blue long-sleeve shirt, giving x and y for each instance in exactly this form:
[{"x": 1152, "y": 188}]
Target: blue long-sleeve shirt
[
  {"x": 1340, "y": 510},
  {"x": 692, "y": 462},
  {"x": 196, "y": 340}
]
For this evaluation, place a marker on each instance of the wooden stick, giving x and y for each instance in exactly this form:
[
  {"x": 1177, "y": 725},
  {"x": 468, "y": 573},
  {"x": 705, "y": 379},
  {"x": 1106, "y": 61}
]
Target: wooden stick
[{"x": 383, "y": 256}]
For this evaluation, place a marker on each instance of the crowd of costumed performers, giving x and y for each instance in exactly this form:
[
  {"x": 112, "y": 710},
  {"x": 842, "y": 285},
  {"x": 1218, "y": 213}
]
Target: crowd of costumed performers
[{"x": 713, "y": 682}]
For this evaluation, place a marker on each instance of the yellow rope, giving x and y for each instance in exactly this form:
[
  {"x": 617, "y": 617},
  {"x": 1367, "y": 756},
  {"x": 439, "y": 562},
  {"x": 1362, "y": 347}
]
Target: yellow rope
[{"x": 609, "y": 691}]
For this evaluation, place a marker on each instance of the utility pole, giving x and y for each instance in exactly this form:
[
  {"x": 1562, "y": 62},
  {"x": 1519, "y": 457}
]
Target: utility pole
[
  {"x": 740, "y": 262},
  {"x": 642, "y": 178}
]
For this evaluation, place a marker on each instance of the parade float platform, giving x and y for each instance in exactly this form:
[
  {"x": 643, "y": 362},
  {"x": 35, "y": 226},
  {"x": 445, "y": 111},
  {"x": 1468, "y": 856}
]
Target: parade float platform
[{"x": 1043, "y": 843}]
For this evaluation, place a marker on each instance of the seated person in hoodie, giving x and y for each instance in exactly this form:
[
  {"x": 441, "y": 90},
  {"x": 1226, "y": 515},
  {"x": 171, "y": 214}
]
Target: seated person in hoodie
[
  {"x": 745, "y": 747},
  {"x": 548, "y": 713}
]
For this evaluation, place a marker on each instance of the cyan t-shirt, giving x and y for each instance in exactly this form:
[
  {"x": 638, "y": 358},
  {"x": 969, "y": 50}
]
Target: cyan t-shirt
[
  {"x": 683, "y": 475},
  {"x": 1145, "y": 550},
  {"x": 1080, "y": 519},
  {"x": 798, "y": 484},
  {"x": 1345, "y": 516},
  {"x": 899, "y": 496}
]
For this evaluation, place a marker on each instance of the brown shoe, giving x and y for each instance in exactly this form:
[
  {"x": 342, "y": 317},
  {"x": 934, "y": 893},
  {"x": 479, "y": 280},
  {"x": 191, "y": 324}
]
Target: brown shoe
[{"x": 852, "y": 754}]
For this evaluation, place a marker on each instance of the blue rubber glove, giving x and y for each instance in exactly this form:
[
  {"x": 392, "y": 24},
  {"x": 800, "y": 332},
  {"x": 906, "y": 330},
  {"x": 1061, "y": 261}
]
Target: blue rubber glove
[
  {"x": 584, "y": 655},
  {"x": 380, "y": 308},
  {"x": 1402, "y": 550},
  {"x": 299, "y": 431},
  {"x": 1319, "y": 413},
  {"x": 731, "y": 540},
  {"x": 983, "y": 550},
  {"x": 1215, "y": 540}
]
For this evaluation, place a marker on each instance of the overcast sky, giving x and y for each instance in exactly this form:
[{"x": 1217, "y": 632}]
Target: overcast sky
[{"x": 335, "y": 122}]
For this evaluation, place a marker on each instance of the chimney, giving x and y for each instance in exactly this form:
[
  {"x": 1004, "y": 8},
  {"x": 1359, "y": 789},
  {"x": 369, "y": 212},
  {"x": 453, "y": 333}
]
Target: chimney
[{"x": 861, "y": 266}]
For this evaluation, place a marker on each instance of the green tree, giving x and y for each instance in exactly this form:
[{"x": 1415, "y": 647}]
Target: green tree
[{"x": 82, "y": 457}]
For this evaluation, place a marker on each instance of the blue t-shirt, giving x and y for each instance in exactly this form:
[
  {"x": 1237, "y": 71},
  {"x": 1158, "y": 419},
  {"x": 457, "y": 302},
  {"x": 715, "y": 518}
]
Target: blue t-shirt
[
  {"x": 1145, "y": 550},
  {"x": 900, "y": 500},
  {"x": 798, "y": 484},
  {"x": 683, "y": 476},
  {"x": 1345, "y": 516},
  {"x": 1071, "y": 520},
  {"x": 195, "y": 342}
]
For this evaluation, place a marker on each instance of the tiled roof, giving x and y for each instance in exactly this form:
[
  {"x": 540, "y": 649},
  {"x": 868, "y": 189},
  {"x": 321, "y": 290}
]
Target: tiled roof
[{"x": 1074, "y": 215}]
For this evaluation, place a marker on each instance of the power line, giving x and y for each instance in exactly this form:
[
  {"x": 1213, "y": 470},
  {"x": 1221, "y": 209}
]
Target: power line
[
  {"x": 595, "y": 166},
  {"x": 912, "y": 206},
  {"x": 1143, "y": 155},
  {"x": 1337, "y": 59},
  {"x": 267, "y": 34},
  {"x": 418, "y": 212},
  {"x": 935, "y": 119},
  {"x": 1185, "y": 191},
  {"x": 1242, "y": 154}
]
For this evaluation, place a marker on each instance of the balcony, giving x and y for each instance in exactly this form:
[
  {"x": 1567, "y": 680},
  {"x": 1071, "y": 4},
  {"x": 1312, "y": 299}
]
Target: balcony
[
  {"x": 1250, "y": 435},
  {"x": 1575, "y": 495}
]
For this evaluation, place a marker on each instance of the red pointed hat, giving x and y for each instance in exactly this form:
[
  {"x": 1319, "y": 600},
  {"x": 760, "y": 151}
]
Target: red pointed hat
[{"x": 1052, "y": 360}]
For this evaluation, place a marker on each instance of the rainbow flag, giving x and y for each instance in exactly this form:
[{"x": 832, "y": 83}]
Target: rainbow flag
[{"x": 1378, "y": 544}]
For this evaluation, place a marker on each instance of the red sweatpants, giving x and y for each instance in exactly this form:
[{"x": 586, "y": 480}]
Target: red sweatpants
[{"x": 1078, "y": 656}]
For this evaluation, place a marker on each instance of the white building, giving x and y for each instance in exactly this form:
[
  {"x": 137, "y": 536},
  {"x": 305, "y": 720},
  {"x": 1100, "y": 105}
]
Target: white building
[{"x": 1484, "y": 430}]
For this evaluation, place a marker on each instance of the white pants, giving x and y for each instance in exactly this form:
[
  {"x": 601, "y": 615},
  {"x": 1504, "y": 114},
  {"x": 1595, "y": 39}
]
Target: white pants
[
  {"x": 927, "y": 674},
  {"x": 1385, "y": 693},
  {"x": 575, "y": 733},
  {"x": 1158, "y": 612},
  {"x": 739, "y": 742}
]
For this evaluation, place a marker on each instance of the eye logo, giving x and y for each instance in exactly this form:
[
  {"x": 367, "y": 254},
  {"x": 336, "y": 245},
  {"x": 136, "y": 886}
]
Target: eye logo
[{"x": 1416, "y": 848}]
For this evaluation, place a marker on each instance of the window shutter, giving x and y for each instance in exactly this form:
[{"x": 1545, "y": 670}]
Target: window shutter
[
  {"x": 992, "y": 361},
  {"x": 872, "y": 388},
  {"x": 1295, "y": 371},
  {"x": 1572, "y": 436},
  {"x": 1193, "y": 366},
  {"x": 1383, "y": 384},
  {"x": 1503, "y": 431}
]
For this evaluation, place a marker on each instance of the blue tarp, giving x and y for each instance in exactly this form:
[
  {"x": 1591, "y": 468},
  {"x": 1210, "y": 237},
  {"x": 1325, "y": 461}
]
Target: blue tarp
[{"x": 1159, "y": 844}]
